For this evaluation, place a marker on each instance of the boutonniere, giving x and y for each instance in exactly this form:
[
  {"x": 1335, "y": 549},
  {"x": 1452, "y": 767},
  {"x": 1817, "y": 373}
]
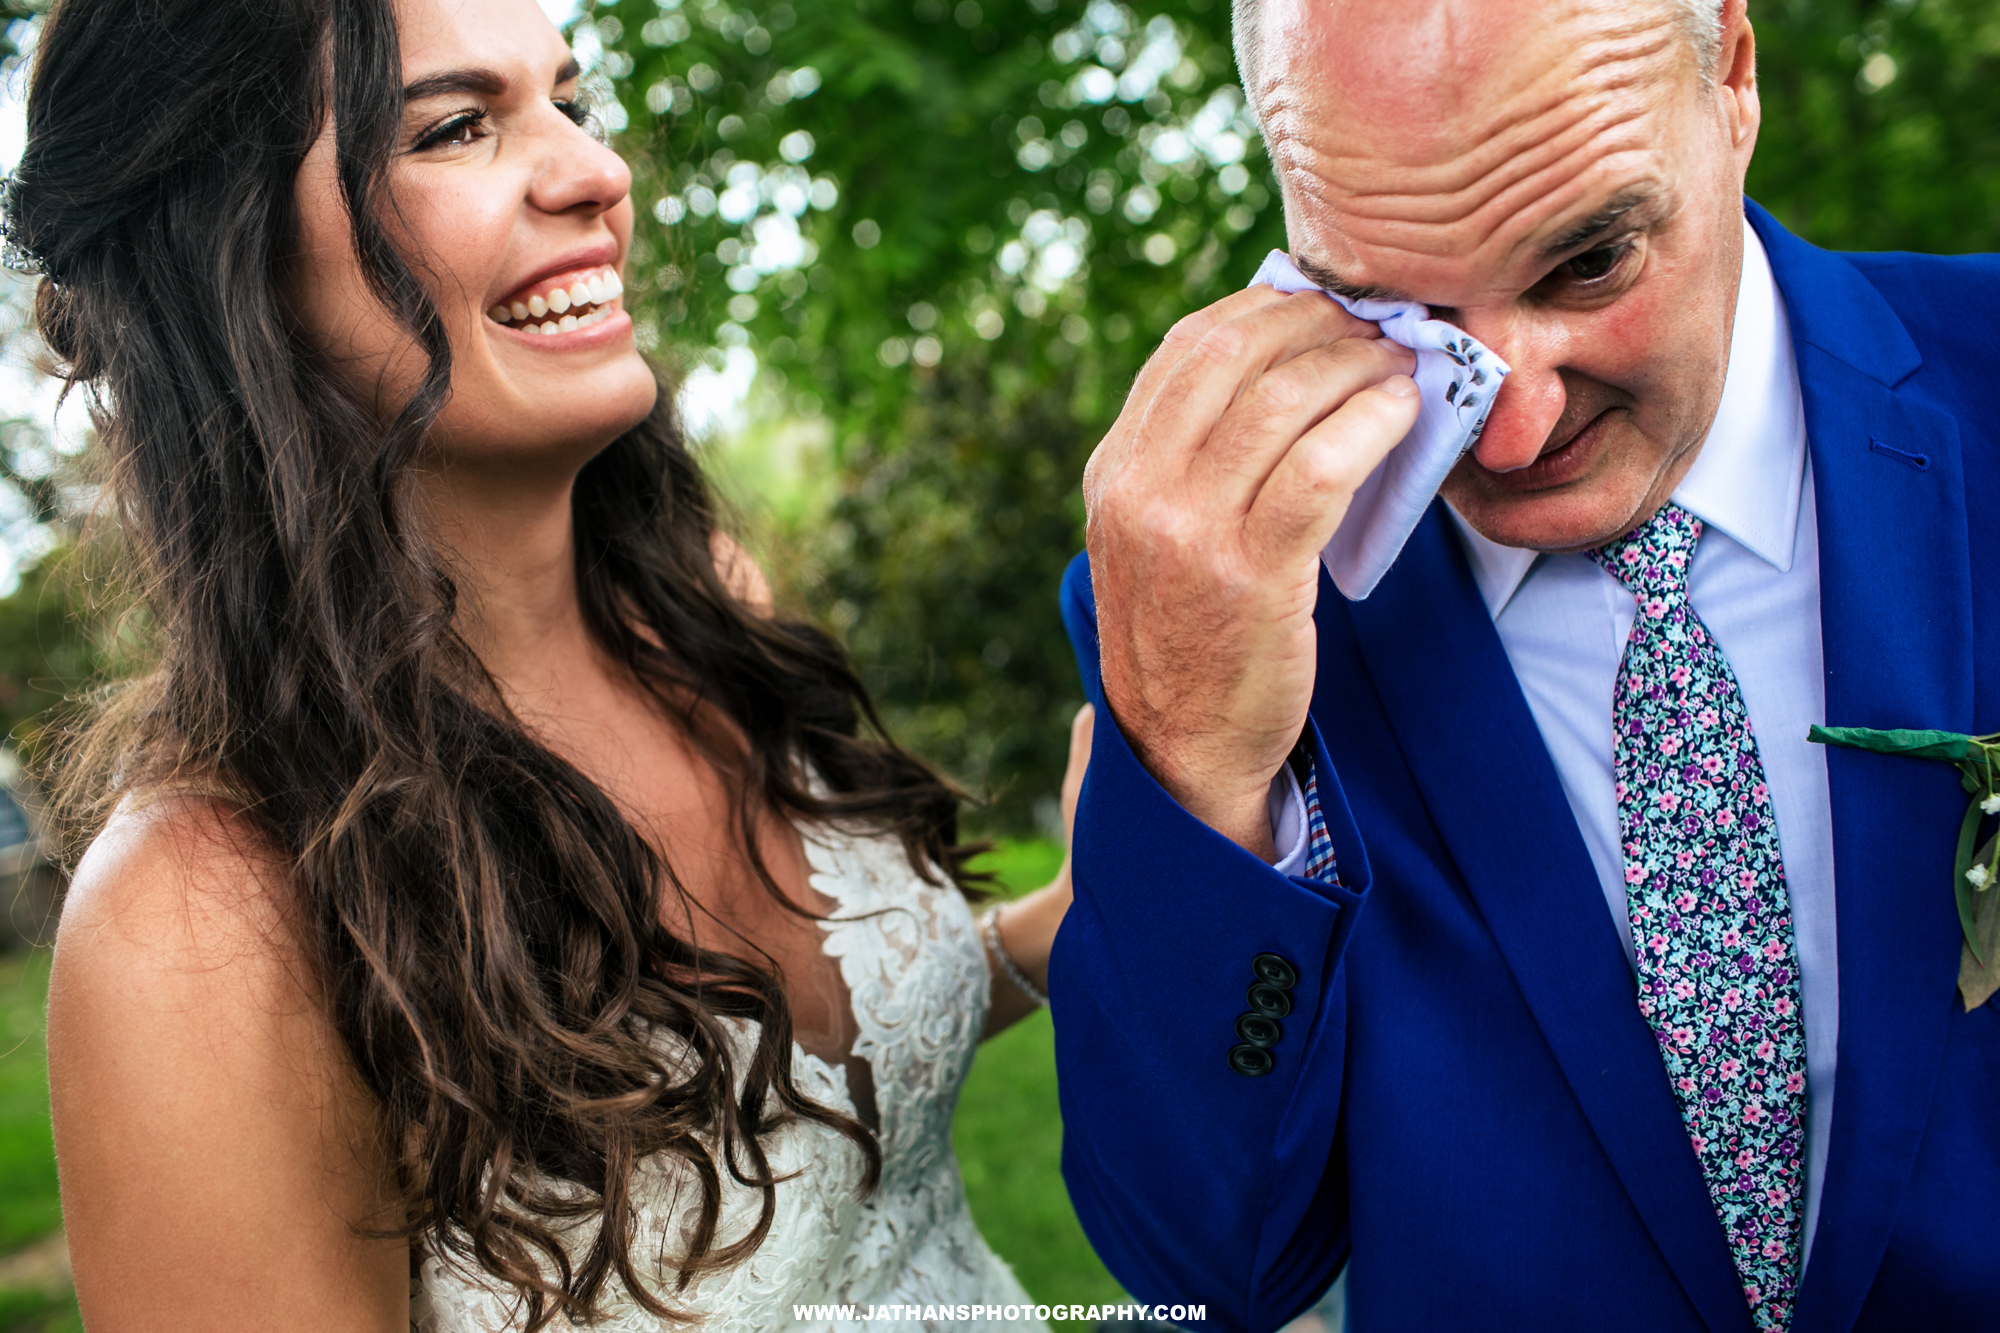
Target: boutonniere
[{"x": 1977, "y": 866}]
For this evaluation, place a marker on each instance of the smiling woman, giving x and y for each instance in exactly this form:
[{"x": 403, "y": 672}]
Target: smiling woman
[{"x": 491, "y": 913}]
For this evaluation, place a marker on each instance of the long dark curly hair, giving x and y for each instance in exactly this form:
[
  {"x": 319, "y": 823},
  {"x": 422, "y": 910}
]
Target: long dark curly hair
[{"x": 485, "y": 924}]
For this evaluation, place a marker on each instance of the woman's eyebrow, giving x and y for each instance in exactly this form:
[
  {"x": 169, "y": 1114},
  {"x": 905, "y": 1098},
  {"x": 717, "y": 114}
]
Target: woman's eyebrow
[{"x": 485, "y": 82}]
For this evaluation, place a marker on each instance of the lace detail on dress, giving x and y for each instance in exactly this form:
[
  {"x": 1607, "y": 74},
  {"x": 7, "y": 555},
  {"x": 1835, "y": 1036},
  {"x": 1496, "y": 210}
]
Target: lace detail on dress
[{"x": 910, "y": 955}]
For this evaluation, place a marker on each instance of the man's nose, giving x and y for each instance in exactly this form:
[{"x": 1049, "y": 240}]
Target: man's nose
[{"x": 1531, "y": 400}]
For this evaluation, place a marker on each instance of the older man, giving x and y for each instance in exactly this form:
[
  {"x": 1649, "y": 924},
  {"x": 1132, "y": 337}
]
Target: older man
[{"x": 1500, "y": 936}]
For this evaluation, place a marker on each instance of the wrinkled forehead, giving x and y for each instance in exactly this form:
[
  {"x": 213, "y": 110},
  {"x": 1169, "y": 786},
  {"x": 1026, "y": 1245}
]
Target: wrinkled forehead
[{"x": 1436, "y": 149}]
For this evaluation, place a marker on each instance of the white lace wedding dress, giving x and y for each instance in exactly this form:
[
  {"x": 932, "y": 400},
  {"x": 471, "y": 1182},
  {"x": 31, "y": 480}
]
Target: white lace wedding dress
[{"x": 916, "y": 974}]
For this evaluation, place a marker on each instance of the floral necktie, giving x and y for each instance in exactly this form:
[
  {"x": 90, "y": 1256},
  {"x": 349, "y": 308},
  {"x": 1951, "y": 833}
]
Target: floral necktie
[{"x": 1711, "y": 921}]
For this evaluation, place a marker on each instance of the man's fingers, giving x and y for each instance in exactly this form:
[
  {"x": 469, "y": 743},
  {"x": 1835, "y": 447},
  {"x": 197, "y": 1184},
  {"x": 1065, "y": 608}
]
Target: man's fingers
[
  {"x": 1188, "y": 332},
  {"x": 1281, "y": 406},
  {"x": 1307, "y": 493},
  {"x": 1126, "y": 439},
  {"x": 1231, "y": 356},
  {"x": 1208, "y": 360}
]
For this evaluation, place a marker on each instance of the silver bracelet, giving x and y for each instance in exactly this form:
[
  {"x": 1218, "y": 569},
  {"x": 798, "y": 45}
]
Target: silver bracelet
[{"x": 989, "y": 930}]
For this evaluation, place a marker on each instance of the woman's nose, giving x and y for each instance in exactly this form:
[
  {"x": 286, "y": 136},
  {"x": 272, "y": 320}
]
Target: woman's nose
[
  {"x": 1531, "y": 399},
  {"x": 579, "y": 174}
]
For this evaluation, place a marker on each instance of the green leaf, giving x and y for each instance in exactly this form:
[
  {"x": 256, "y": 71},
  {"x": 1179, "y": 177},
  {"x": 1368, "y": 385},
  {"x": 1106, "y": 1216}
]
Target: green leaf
[
  {"x": 1948, "y": 745},
  {"x": 1976, "y": 980},
  {"x": 1961, "y": 888}
]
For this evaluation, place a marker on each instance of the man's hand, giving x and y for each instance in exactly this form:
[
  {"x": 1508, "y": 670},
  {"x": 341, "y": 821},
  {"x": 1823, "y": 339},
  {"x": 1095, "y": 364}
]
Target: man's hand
[{"x": 1232, "y": 464}]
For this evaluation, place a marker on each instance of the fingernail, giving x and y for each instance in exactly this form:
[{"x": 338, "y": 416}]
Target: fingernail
[{"x": 1400, "y": 385}]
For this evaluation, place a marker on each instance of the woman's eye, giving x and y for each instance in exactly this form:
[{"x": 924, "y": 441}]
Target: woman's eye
[
  {"x": 582, "y": 112},
  {"x": 1596, "y": 265},
  {"x": 456, "y": 132}
]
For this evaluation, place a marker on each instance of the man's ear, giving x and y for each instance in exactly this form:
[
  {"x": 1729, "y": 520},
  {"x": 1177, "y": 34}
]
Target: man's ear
[{"x": 1736, "y": 77}]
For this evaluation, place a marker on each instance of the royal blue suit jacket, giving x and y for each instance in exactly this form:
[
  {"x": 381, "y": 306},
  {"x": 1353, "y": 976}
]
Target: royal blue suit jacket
[{"x": 1466, "y": 1108}]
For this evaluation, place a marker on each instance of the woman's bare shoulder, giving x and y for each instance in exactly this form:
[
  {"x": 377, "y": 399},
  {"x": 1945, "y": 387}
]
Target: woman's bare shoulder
[
  {"x": 177, "y": 881},
  {"x": 176, "y": 947},
  {"x": 208, "y": 1119}
]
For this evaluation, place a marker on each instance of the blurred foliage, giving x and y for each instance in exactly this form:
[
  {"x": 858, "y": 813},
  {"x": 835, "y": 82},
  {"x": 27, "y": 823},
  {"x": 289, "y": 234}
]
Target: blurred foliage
[
  {"x": 58, "y": 633},
  {"x": 951, "y": 232},
  {"x": 1881, "y": 122}
]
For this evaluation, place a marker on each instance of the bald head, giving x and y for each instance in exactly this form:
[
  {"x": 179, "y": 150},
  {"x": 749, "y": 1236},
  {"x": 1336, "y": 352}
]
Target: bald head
[{"x": 1699, "y": 22}]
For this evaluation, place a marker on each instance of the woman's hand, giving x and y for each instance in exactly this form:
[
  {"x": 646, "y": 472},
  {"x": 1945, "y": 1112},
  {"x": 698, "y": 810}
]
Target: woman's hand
[{"x": 1027, "y": 926}]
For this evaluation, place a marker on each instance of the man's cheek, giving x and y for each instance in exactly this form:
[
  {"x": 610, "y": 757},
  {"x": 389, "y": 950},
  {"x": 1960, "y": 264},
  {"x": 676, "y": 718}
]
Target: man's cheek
[{"x": 1624, "y": 343}]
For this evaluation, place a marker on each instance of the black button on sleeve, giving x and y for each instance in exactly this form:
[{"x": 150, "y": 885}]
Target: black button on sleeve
[
  {"x": 1275, "y": 969},
  {"x": 1250, "y": 1061},
  {"x": 1269, "y": 1001},
  {"x": 1258, "y": 1030}
]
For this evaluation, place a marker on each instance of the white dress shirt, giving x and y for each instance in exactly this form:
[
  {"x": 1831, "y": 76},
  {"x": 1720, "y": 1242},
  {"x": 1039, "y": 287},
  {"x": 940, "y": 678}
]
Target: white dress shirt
[{"x": 1755, "y": 583}]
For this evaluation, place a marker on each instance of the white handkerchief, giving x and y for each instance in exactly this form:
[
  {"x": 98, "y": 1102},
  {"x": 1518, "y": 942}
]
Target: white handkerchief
[{"x": 1457, "y": 379}]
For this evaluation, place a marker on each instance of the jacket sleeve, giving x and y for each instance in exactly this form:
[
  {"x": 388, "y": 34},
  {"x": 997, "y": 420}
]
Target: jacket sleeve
[{"x": 1196, "y": 1183}]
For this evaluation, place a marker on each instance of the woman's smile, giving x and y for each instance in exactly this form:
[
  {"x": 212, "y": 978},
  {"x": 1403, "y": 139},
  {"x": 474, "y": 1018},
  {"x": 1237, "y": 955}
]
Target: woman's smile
[{"x": 579, "y": 299}]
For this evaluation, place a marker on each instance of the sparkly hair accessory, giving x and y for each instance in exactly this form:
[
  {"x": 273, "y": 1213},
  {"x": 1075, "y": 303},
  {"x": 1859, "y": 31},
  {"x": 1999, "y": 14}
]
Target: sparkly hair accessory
[{"x": 15, "y": 256}]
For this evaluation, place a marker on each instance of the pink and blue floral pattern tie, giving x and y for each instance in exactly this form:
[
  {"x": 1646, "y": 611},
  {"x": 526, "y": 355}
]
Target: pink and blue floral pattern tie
[{"x": 1711, "y": 921}]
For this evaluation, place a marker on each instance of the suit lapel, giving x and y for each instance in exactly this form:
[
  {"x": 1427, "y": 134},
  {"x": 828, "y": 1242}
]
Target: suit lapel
[
  {"x": 1896, "y": 620},
  {"x": 1443, "y": 676}
]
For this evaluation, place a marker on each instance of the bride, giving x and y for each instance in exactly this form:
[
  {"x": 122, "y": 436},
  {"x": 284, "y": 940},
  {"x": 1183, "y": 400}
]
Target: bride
[{"x": 494, "y": 915}]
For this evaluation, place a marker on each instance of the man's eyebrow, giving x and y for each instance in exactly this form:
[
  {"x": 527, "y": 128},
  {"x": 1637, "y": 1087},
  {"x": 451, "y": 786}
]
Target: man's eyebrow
[
  {"x": 1325, "y": 277},
  {"x": 484, "y": 82},
  {"x": 1590, "y": 228}
]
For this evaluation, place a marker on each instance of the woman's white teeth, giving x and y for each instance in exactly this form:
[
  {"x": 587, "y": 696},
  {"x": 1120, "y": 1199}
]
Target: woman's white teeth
[
  {"x": 567, "y": 323},
  {"x": 559, "y": 310}
]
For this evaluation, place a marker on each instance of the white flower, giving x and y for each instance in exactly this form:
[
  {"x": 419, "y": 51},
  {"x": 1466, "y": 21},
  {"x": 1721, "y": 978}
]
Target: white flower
[
  {"x": 1978, "y": 876},
  {"x": 1991, "y": 805}
]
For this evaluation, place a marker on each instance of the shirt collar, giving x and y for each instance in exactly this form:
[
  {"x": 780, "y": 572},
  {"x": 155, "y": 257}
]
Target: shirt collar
[{"x": 1749, "y": 476}]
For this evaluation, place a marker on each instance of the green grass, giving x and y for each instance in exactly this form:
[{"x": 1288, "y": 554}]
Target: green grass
[
  {"x": 1009, "y": 1136},
  {"x": 1021, "y": 865},
  {"x": 31, "y": 1312},
  {"x": 30, "y": 1207},
  {"x": 1008, "y": 1133}
]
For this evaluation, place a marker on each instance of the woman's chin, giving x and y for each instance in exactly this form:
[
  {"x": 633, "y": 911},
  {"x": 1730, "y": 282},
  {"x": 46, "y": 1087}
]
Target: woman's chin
[{"x": 560, "y": 417}]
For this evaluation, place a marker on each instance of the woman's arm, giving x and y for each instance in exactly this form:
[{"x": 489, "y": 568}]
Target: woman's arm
[
  {"x": 217, "y": 1150},
  {"x": 1027, "y": 926}
]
